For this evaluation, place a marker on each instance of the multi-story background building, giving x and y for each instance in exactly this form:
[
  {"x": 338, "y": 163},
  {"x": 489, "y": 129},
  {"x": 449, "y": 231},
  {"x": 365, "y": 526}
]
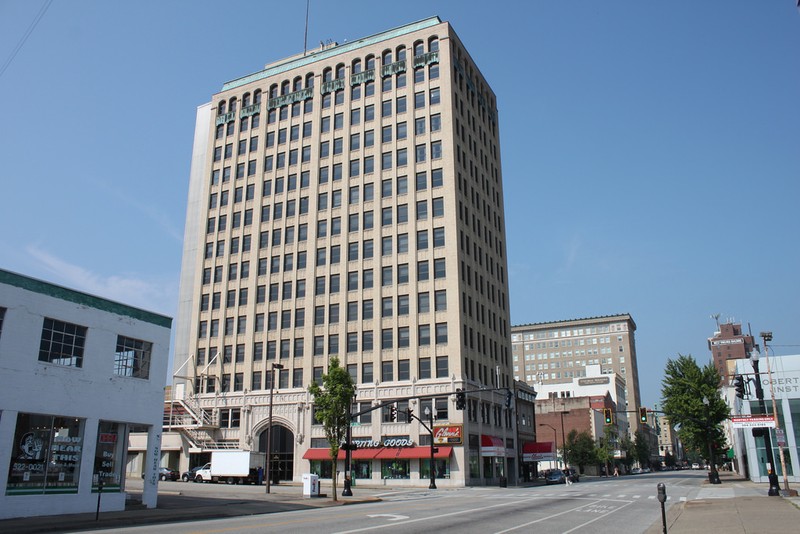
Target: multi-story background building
[
  {"x": 348, "y": 202},
  {"x": 558, "y": 352},
  {"x": 727, "y": 345}
]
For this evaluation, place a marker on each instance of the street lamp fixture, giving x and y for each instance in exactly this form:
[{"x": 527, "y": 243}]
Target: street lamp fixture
[
  {"x": 275, "y": 367},
  {"x": 555, "y": 439}
]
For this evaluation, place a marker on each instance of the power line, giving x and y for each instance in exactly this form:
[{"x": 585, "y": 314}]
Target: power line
[{"x": 27, "y": 34}]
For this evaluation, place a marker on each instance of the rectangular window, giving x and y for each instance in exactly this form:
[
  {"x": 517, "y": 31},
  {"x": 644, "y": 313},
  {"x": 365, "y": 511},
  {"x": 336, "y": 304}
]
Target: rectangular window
[
  {"x": 132, "y": 357},
  {"x": 424, "y": 335},
  {"x": 366, "y": 372},
  {"x": 62, "y": 343},
  {"x": 403, "y": 366},
  {"x": 423, "y": 270},
  {"x": 424, "y": 368},
  {"x": 442, "y": 370},
  {"x": 439, "y": 269},
  {"x": 441, "y": 337}
]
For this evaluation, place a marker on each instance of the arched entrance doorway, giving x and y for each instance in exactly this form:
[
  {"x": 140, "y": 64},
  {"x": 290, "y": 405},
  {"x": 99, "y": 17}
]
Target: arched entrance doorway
[{"x": 281, "y": 463}]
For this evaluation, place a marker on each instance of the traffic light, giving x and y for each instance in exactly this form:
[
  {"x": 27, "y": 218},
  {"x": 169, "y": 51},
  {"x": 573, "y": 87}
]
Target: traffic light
[
  {"x": 508, "y": 399},
  {"x": 643, "y": 414},
  {"x": 738, "y": 385},
  {"x": 393, "y": 412},
  {"x": 409, "y": 413},
  {"x": 607, "y": 416},
  {"x": 461, "y": 399}
]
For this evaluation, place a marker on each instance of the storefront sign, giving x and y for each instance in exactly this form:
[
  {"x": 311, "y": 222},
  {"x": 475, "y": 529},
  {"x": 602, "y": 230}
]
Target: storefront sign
[
  {"x": 760, "y": 421},
  {"x": 388, "y": 442},
  {"x": 448, "y": 435}
]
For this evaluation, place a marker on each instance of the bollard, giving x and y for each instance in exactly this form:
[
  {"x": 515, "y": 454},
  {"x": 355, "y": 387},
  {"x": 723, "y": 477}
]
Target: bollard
[{"x": 662, "y": 498}]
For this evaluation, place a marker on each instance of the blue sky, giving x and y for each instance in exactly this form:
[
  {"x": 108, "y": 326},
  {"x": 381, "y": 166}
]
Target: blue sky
[{"x": 650, "y": 149}]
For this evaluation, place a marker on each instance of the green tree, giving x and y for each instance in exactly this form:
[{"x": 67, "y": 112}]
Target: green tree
[
  {"x": 332, "y": 403},
  {"x": 604, "y": 451},
  {"x": 692, "y": 403},
  {"x": 641, "y": 449},
  {"x": 628, "y": 452},
  {"x": 580, "y": 449}
]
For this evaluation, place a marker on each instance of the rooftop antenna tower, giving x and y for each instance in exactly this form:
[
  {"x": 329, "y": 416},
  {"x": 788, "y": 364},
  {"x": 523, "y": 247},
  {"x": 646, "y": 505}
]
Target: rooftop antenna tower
[
  {"x": 305, "y": 35},
  {"x": 715, "y": 316}
]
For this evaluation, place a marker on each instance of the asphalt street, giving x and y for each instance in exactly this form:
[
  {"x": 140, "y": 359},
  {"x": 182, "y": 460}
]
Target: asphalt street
[{"x": 606, "y": 505}]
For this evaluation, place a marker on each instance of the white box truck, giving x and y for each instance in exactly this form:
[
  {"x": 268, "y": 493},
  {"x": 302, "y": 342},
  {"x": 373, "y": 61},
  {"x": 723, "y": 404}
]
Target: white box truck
[{"x": 232, "y": 467}]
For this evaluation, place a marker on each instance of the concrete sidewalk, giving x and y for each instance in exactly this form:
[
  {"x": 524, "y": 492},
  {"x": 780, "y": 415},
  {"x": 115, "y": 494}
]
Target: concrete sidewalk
[
  {"x": 174, "y": 507},
  {"x": 755, "y": 513}
]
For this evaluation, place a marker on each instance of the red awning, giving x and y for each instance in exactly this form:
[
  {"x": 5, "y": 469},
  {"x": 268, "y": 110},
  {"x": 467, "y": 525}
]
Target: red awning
[
  {"x": 491, "y": 441},
  {"x": 546, "y": 446},
  {"x": 407, "y": 453},
  {"x": 492, "y": 446},
  {"x": 383, "y": 453},
  {"x": 325, "y": 454}
]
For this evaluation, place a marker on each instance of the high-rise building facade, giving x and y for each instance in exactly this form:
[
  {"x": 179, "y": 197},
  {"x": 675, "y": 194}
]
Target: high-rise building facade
[
  {"x": 347, "y": 202},
  {"x": 559, "y": 351}
]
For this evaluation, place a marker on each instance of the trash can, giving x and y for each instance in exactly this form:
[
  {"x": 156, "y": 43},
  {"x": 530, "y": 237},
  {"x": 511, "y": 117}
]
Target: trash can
[
  {"x": 310, "y": 485},
  {"x": 503, "y": 482}
]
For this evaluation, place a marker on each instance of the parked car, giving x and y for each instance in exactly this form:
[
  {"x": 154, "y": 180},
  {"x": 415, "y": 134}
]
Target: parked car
[
  {"x": 555, "y": 476},
  {"x": 167, "y": 473},
  {"x": 191, "y": 474},
  {"x": 636, "y": 471},
  {"x": 695, "y": 466},
  {"x": 572, "y": 475}
]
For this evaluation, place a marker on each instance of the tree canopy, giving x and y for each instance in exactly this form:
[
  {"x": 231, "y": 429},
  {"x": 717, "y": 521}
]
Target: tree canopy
[
  {"x": 691, "y": 400},
  {"x": 580, "y": 449},
  {"x": 332, "y": 403}
]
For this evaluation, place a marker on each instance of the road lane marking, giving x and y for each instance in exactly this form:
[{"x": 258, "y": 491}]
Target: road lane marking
[
  {"x": 428, "y": 518},
  {"x": 598, "y": 518},
  {"x": 546, "y": 518},
  {"x": 392, "y": 517}
]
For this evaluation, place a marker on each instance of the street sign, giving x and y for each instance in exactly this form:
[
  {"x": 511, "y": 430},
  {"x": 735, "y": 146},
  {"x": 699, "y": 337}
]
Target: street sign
[
  {"x": 780, "y": 437},
  {"x": 753, "y": 421}
]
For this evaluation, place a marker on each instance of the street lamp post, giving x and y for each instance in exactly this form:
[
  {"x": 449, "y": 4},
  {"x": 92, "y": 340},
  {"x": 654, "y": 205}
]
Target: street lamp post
[
  {"x": 767, "y": 336},
  {"x": 774, "y": 488},
  {"x": 429, "y": 413},
  {"x": 555, "y": 439},
  {"x": 275, "y": 367},
  {"x": 563, "y": 441}
]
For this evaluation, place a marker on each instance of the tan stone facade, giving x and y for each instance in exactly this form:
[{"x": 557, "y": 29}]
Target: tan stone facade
[{"x": 348, "y": 202}]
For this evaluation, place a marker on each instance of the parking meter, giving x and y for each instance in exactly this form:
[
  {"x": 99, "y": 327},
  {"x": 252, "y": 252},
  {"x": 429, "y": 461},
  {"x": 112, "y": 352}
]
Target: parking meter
[{"x": 662, "y": 493}]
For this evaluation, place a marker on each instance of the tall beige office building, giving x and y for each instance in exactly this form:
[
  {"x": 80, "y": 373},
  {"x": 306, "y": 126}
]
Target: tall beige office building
[
  {"x": 556, "y": 352},
  {"x": 348, "y": 202}
]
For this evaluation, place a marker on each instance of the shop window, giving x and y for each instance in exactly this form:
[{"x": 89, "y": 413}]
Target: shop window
[{"x": 47, "y": 455}]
